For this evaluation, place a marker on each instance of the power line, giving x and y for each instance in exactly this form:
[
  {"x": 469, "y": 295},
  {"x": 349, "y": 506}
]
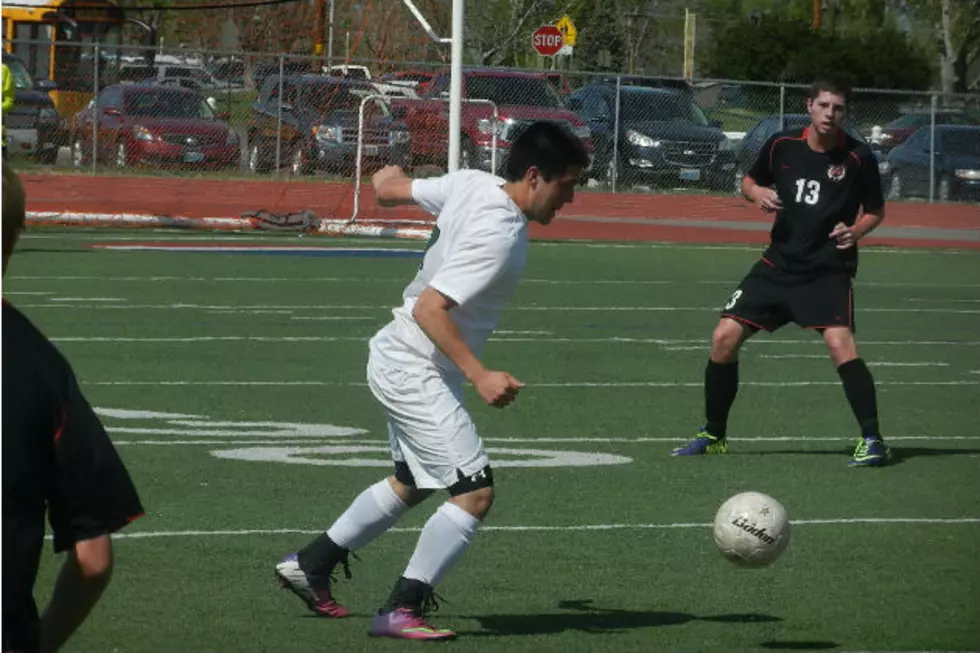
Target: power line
[{"x": 233, "y": 5}]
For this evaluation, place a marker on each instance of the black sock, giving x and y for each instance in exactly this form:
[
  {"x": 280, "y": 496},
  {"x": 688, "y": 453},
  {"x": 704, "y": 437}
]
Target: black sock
[
  {"x": 408, "y": 593},
  {"x": 720, "y": 388},
  {"x": 320, "y": 556},
  {"x": 859, "y": 386}
]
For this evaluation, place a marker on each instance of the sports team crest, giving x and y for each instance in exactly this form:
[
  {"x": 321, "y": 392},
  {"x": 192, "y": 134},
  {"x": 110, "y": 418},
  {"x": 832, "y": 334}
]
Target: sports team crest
[{"x": 836, "y": 173}]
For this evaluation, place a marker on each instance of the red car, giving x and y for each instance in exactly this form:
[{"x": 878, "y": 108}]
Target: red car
[
  {"x": 520, "y": 98},
  {"x": 151, "y": 124}
]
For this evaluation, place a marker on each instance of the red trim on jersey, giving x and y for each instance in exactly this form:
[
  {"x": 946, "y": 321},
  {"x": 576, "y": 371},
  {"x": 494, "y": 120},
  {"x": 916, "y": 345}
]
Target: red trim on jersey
[
  {"x": 130, "y": 520},
  {"x": 772, "y": 150},
  {"x": 767, "y": 262},
  {"x": 856, "y": 157},
  {"x": 61, "y": 424}
]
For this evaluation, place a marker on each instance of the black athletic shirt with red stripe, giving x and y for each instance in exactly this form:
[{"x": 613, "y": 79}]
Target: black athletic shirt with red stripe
[
  {"x": 817, "y": 190},
  {"x": 57, "y": 460}
]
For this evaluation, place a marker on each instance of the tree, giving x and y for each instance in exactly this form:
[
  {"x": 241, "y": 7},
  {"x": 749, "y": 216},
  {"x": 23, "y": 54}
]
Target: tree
[
  {"x": 786, "y": 50},
  {"x": 951, "y": 28},
  {"x": 602, "y": 43}
]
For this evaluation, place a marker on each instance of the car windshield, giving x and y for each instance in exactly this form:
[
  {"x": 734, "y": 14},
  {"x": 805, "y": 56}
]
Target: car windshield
[
  {"x": 660, "y": 107},
  {"x": 962, "y": 141},
  {"x": 513, "y": 90},
  {"x": 22, "y": 78},
  {"x": 166, "y": 104},
  {"x": 326, "y": 98}
]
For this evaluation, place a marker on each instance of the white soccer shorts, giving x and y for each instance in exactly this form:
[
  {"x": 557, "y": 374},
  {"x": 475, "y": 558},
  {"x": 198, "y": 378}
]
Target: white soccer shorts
[{"x": 428, "y": 427}]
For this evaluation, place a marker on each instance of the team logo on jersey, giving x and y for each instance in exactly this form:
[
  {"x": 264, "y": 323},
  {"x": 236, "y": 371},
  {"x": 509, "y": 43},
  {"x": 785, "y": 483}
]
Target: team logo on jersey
[{"x": 836, "y": 173}]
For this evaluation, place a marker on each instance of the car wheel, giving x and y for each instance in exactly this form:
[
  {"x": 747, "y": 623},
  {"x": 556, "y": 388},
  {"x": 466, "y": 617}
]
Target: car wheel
[
  {"x": 48, "y": 157},
  {"x": 945, "y": 190},
  {"x": 122, "y": 155},
  {"x": 895, "y": 187},
  {"x": 466, "y": 155},
  {"x": 77, "y": 153}
]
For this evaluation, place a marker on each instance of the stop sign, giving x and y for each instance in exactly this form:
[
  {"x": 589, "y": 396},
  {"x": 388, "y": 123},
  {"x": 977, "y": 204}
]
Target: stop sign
[{"x": 547, "y": 40}]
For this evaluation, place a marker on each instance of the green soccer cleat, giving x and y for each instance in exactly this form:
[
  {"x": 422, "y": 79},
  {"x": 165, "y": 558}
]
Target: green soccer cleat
[
  {"x": 870, "y": 452},
  {"x": 705, "y": 443}
]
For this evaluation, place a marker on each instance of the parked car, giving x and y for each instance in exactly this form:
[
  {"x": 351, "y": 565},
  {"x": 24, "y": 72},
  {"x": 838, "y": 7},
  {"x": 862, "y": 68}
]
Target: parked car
[
  {"x": 166, "y": 73},
  {"x": 898, "y": 131},
  {"x": 315, "y": 125},
  {"x": 952, "y": 156},
  {"x": 33, "y": 125},
  {"x": 152, "y": 124},
  {"x": 663, "y": 138},
  {"x": 519, "y": 97},
  {"x": 748, "y": 148}
]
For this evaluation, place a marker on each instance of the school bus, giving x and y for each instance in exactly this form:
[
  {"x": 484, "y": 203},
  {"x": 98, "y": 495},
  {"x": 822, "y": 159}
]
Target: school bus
[{"x": 55, "y": 41}]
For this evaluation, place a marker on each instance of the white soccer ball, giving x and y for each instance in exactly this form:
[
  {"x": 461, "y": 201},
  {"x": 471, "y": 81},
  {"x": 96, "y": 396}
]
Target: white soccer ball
[{"x": 751, "y": 529}]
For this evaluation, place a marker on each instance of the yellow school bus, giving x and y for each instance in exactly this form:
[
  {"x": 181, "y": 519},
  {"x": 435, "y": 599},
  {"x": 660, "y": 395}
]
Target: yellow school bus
[{"x": 55, "y": 40}]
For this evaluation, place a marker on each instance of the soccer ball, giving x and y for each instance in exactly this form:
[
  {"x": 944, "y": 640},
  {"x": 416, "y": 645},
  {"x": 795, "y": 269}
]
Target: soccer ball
[{"x": 751, "y": 529}]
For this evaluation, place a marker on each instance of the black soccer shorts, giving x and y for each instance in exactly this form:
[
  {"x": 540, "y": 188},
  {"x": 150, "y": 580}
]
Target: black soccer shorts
[{"x": 769, "y": 298}]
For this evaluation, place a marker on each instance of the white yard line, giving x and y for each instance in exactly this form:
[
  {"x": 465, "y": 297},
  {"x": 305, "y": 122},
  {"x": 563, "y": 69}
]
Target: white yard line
[
  {"x": 545, "y": 340},
  {"x": 212, "y": 441},
  {"x": 522, "y": 308},
  {"x": 572, "y": 384},
  {"x": 402, "y": 280},
  {"x": 870, "y": 363},
  {"x": 494, "y": 528}
]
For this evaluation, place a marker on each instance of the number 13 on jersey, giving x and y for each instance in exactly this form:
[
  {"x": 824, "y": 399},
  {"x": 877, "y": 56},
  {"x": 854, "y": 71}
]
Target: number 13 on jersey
[{"x": 807, "y": 190}]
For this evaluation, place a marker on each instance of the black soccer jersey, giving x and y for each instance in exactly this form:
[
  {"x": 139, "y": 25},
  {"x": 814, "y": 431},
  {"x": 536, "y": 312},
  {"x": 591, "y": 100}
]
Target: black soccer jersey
[
  {"x": 817, "y": 190},
  {"x": 57, "y": 459}
]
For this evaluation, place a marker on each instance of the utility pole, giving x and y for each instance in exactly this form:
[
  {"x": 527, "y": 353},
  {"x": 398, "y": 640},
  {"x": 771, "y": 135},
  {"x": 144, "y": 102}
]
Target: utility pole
[{"x": 323, "y": 26}]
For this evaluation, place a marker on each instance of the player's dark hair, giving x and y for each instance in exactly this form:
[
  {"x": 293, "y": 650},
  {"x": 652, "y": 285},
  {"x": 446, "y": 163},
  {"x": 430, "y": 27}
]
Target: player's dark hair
[
  {"x": 547, "y": 146},
  {"x": 825, "y": 85}
]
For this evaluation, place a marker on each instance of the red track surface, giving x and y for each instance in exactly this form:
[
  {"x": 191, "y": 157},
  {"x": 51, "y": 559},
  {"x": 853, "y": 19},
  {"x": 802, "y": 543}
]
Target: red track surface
[{"x": 600, "y": 216}]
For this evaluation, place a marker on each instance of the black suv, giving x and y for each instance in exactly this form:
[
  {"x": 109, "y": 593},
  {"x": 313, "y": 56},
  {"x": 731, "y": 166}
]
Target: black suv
[
  {"x": 33, "y": 125},
  {"x": 664, "y": 139},
  {"x": 315, "y": 126}
]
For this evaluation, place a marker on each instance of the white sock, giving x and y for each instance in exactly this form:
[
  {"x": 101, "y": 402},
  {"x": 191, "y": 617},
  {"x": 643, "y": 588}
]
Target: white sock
[
  {"x": 446, "y": 535},
  {"x": 373, "y": 512}
]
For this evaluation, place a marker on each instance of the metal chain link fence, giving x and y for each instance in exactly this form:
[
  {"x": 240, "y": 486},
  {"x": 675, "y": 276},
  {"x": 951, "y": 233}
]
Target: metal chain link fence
[{"x": 290, "y": 116}]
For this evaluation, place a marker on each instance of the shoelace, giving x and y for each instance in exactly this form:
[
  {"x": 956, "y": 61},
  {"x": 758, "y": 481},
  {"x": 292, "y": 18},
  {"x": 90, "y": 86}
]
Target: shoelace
[
  {"x": 345, "y": 563},
  {"x": 430, "y": 603}
]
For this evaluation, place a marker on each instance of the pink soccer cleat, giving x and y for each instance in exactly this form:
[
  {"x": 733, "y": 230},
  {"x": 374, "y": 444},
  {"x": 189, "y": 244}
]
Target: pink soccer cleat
[{"x": 405, "y": 623}]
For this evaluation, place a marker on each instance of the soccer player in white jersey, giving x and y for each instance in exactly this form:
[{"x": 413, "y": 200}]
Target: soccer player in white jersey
[{"x": 420, "y": 360}]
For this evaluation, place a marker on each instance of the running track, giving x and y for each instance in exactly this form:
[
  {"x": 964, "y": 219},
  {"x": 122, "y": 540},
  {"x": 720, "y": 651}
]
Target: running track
[{"x": 593, "y": 216}]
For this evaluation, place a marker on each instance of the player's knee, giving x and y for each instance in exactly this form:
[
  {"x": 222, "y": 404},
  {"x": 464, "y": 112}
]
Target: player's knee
[
  {"x": 475, "y": 502},
  {"x": 726, "y": 341},
  {"x": 403, "y": 485},
  {"x": 474, "y": 493},
  {"x": 840, "y": 345}
]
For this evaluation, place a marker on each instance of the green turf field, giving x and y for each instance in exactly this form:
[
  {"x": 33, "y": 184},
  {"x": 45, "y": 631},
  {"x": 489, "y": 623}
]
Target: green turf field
[{"x": 250, "y": 428}]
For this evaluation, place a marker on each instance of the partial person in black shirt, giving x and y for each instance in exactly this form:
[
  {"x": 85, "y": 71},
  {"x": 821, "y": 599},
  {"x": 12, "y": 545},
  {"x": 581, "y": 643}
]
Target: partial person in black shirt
[
  {"x": 825, "y": 190},
  {"x": 57, "y": 461}
]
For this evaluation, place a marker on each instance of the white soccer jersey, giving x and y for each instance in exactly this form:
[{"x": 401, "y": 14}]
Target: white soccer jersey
[{"x": 475, "y": 257}]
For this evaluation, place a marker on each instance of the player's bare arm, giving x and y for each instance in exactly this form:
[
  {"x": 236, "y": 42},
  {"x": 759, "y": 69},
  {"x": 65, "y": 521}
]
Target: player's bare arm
[
  {"x": 765, "y": 198},
  {"x": 392, "y": 187},
  {"x": 431, "y": 312},
  {"x": 847, "y": 237}
]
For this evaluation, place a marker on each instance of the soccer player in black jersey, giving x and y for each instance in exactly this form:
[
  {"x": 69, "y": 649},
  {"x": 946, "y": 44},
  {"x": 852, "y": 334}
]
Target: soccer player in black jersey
[
  {"x": 825, "y": 190},
  {"x": 57, "y": 461}
]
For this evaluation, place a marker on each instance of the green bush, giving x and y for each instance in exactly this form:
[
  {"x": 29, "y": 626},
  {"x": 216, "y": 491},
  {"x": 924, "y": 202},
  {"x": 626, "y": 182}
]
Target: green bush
[{"x": 776, "y": 49}]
